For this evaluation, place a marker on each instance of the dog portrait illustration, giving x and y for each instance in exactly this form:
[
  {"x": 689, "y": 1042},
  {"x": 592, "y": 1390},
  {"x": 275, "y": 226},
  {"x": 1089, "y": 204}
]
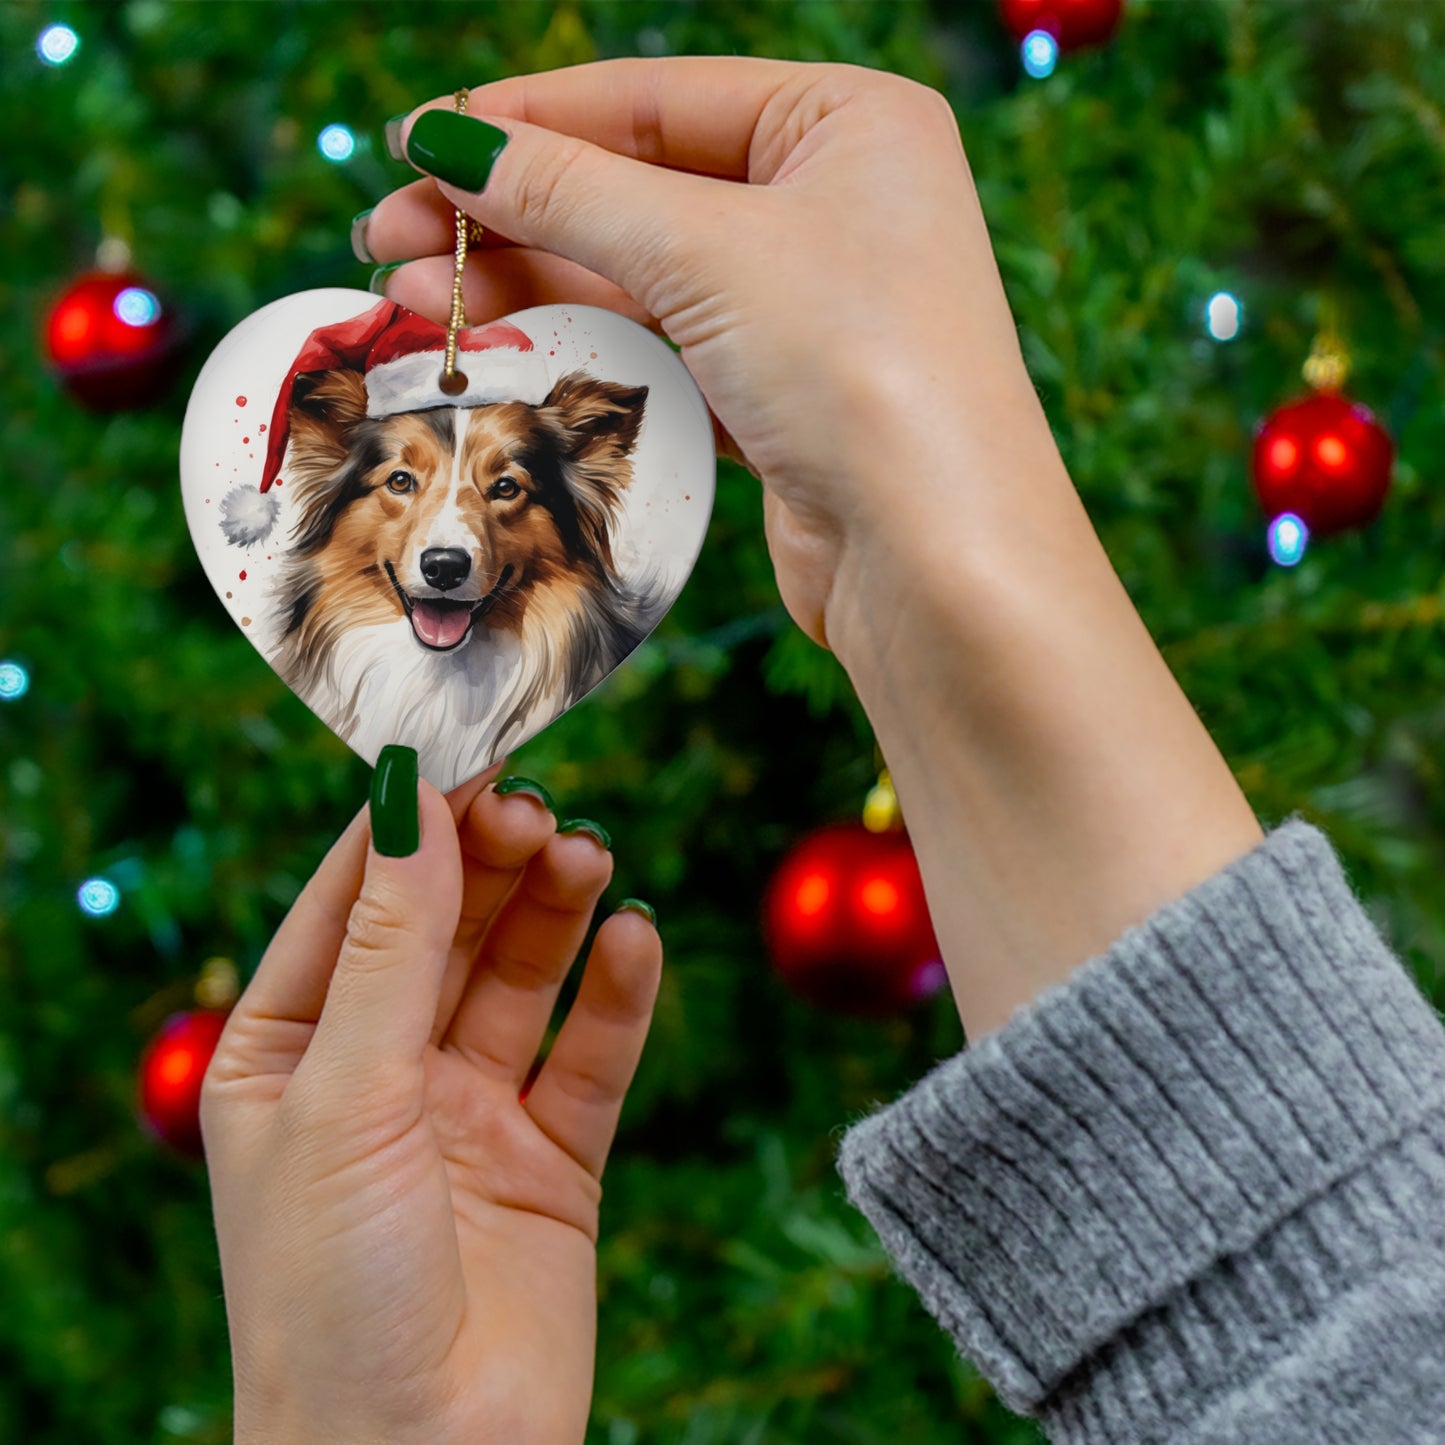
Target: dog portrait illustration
[{"x": 448, "y": 572}]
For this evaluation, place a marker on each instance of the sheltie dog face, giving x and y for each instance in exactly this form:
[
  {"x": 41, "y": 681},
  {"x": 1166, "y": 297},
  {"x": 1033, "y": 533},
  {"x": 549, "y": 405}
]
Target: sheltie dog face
[{"x": 447, "y": 539}]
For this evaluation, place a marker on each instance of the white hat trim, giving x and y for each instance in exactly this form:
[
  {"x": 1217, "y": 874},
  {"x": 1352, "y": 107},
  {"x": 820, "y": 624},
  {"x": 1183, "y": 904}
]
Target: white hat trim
[{"x": 412, "y": 383}]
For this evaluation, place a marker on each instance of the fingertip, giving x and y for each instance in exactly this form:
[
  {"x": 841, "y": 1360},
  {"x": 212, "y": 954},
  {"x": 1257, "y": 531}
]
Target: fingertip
[
  {"x": 501, "y": 830},
  {"x": 575, "y": 864},
  {"x": 633, "y": 930},
  {"x": 637, "y": 906},
  {"x": 460, "y": 798},
  {"x": 629, "y": 949}
]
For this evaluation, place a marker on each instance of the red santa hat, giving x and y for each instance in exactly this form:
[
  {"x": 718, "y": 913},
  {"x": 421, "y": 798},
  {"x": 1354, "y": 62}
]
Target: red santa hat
[{"x": 401, "y": 356}]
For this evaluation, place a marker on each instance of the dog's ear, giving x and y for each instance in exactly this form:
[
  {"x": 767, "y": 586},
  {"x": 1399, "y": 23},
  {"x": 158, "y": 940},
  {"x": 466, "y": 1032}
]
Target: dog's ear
[
  {"x": 595, "y": 424},
  {"x": 599, "y": 416},
  {"x": 338, "y": 397},
  {"x": 324, "y": 407}
]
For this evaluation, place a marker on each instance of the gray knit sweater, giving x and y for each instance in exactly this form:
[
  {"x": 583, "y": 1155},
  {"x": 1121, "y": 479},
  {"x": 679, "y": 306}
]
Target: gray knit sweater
[{"x": 1197, "y": 1191}]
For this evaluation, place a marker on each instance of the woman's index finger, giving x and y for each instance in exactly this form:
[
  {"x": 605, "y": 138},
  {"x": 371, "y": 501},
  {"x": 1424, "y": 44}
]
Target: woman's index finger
[{"x": 696, "y": 113}]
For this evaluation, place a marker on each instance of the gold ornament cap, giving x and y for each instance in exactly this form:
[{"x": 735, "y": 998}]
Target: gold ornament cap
[
  {"x": 881, "y": 813},
  {"x": 219, "y": 985}
]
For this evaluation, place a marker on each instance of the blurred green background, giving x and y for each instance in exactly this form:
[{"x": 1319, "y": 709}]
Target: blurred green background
[{"x": 1287, "y": 153}]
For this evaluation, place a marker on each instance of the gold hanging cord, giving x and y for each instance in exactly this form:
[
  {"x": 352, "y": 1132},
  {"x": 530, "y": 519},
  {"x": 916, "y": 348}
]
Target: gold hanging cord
[
  {"x": 454, "y": 382},
  {"x": 1328, "y": 367}
]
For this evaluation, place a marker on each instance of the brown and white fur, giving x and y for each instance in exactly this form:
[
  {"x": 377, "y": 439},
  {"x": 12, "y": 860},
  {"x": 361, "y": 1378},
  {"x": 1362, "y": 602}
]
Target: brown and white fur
[{"x": 512, "y": 510}]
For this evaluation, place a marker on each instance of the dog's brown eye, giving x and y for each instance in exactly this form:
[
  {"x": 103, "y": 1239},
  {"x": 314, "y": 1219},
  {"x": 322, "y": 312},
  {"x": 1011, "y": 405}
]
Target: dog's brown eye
[
  {"x": 505, "y": 487},
  {"x": 401, "y": 482}
]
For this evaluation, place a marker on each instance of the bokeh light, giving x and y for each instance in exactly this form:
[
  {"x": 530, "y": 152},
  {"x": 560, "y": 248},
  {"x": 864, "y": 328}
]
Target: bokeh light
[
  {"x": 1223, "y": 316},
  {"x": 137, "y": 307},
  {"x": 14, "y": 681},
  {"x": 98, "y": 897},
  {"x": 1040, "y": 52},
  {"x": 57, "y": 44},
  {"x": 813, "y": 894},
  {"x": 1288, "y": 538},
  {"x": 336, "y": 143}
]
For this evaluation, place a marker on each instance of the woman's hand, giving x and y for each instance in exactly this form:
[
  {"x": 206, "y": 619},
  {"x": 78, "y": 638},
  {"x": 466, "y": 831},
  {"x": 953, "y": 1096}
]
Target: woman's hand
[
  {"x": 407, "y": 1247},
  {"x": 811, "y": 238},
  {"x": 808, "y": 235}
]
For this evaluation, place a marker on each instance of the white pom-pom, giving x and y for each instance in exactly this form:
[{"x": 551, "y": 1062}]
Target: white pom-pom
[{"x": 248, "y": 515}]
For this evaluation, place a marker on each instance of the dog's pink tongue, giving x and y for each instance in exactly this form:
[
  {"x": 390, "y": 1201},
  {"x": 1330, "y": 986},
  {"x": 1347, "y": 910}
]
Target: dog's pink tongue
[{"x": 440, "y": 626}]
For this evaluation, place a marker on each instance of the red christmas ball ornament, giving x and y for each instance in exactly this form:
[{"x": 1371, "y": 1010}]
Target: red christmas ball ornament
[
  {"x": 847, "y": 923},
  {"x": 112, "y": 342},
  {"x": 171, "y": 1071},
  {"x": 1326, "y": 459},
  {"x": 1073, "y": 23}
]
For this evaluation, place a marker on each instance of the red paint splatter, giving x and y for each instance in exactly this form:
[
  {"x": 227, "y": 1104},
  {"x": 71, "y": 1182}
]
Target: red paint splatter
[
  {"x": 551, "y": 353},
  {"x": 277, "y": 482},
  {"x": 592, "y": 356},
  {"x": 262, "y": 427},
  {"x": 243, "y": 576},
  {"x": 244, "y": 440},
  {"x": 240, "y": 401},
  {"x": 687, "y": 496}
]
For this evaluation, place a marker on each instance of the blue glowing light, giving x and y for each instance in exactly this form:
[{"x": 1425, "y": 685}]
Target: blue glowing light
[
  {"x": 14, "y": 681},
  {"x": 1223, "y": 316},
  {"x": 1288, "y": 537},
  {"x": 98, "y": 897},
  {"x": 336, "y": 143},
  {"x": 136, "y": 306},
  {"x": 57, "y": 44},
  {"x": 1040, "y": 52}
]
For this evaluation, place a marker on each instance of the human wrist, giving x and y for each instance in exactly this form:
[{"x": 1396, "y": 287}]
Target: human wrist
[
  {"x": 942, "y": 519},
  {"x": 1057, "y": 783}
]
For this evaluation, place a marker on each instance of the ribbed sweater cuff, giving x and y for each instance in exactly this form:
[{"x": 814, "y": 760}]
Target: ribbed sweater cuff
[{"x": 1167, "y": 1152}]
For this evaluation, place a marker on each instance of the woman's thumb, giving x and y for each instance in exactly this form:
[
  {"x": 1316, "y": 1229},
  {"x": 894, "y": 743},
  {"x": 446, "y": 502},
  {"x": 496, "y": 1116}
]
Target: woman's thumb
[
  {"x": 623, "y": 219},
  {"x": 382, "y": 1000}
]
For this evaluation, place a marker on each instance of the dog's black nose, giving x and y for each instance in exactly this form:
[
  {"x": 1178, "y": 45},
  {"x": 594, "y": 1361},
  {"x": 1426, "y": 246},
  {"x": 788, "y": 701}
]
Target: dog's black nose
[{"x": 445, "y": 567}]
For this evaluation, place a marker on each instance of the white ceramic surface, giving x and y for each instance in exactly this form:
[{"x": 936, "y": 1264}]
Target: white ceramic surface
[{"x": 568, "y": 563}]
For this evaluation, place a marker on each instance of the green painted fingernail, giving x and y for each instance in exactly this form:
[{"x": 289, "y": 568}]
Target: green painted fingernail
[
  {"x": 509, "y": 786},
  {"x": 636, "y": 905},
  {"x": 586, "y": 825},
  {"x": 455, "y": 148},
  {"x": 377, "y": 284},
  {"x": 395, "y": 813},
  {"x": 359, "y": 248},
  {"x": 393, "y": 136}
]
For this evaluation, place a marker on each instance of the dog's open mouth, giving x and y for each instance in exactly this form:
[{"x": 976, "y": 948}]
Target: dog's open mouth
[{"x": 440, "y": 623}]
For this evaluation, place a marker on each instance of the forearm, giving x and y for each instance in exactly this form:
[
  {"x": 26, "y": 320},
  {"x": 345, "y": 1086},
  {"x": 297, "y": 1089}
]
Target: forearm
[{"x": 1057, "y": 784}]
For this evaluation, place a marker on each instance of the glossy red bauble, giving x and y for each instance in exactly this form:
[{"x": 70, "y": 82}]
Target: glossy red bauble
[
  {"x": 112, "y": 341},
  {"x": 847, "y": 923},
  {"x": 1073, "y": 23},
  {"x": 171, "y": 1071},
  {"x": 1324, "y": 458}
]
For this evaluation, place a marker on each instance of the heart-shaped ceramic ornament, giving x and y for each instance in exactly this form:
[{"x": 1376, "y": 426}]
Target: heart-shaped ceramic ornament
[{"x": 448, "y": 569}]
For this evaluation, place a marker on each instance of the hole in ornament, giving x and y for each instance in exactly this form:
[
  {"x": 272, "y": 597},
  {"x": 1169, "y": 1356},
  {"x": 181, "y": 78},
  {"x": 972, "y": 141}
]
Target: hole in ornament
[{"x": 453, "y": 385}]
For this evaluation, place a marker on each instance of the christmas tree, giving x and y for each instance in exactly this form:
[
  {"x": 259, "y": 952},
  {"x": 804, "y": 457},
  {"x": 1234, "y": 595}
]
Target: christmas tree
[{"x": 1212, "y": 161}]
